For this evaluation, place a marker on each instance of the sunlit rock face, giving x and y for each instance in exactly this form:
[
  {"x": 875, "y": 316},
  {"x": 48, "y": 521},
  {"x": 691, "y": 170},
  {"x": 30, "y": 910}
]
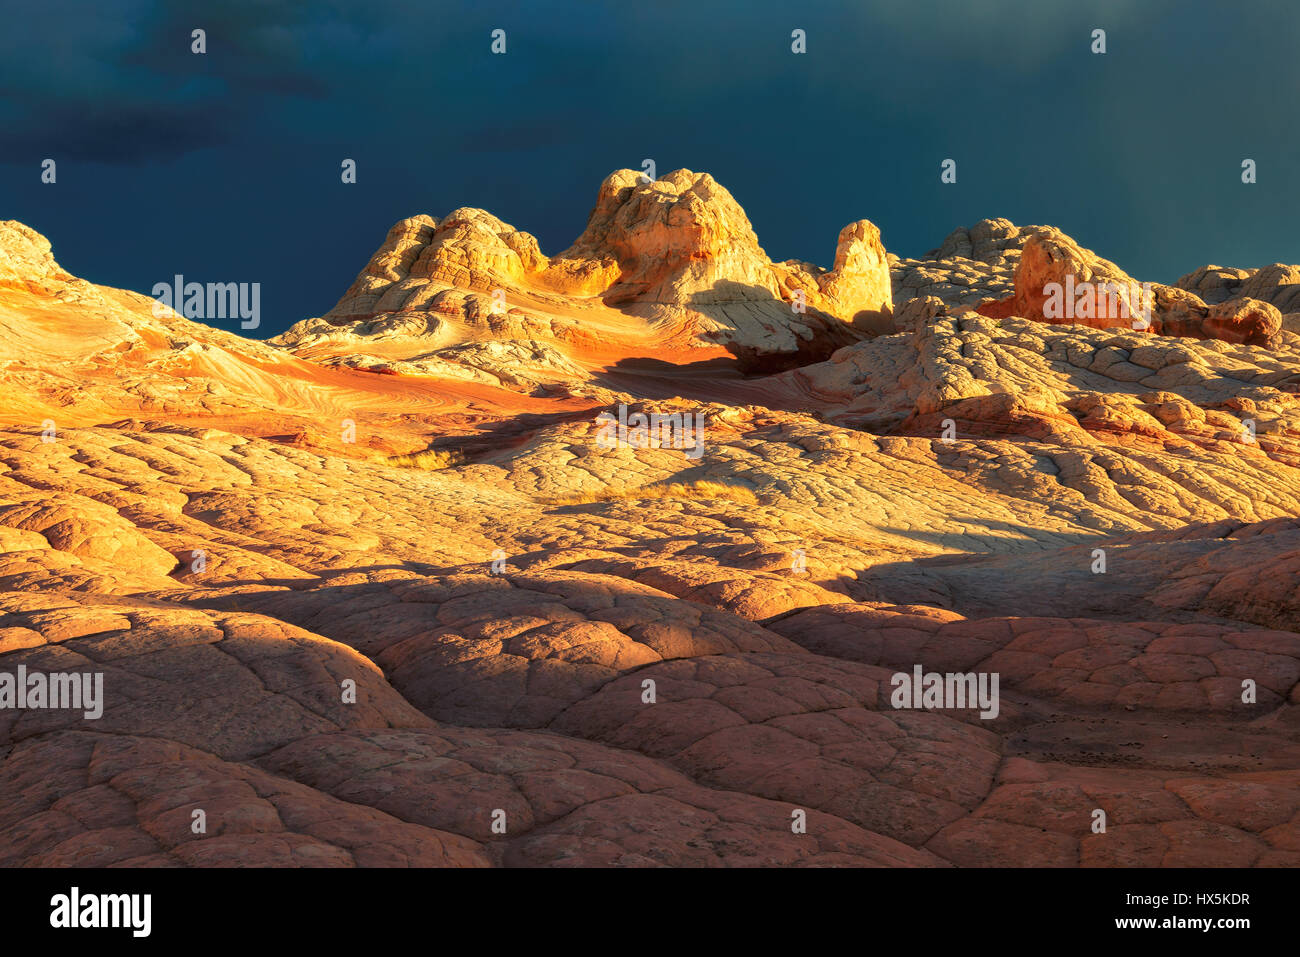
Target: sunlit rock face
[
  {"x": 666, "y": 267},
  {"x": 384, "y": 591}
]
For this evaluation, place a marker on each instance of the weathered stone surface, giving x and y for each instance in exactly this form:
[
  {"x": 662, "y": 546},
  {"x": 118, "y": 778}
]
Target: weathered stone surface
[
  {"x": 354, "y": 601},
  {"x": 1278, "y": 285},
  {"x": 670, "y": 266}
]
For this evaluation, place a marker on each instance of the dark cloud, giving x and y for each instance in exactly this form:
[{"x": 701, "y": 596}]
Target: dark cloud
[{"x": 234, "y": 155}]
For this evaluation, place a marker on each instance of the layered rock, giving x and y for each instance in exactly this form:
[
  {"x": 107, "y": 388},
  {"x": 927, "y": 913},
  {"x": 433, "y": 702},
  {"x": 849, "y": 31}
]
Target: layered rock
[
  {"x": 637, "y": 655},
  {"x": 971, "y": 266},
  {"x": 1049, "y": 262},
  {"x": 25, "y": 257},
  {"x": 1007, "y": 270},
  {"x": 672, "y": 263},
  {"x": 1058, "y": 281},
  {"x": 1278, "y": 285}
]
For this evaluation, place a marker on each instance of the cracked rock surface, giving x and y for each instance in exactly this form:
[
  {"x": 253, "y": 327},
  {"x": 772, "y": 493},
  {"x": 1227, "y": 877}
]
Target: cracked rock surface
[{"x": 378, "y": 594}]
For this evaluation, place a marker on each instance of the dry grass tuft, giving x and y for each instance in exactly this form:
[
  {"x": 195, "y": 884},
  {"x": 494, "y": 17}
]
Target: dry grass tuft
[
  {"x": 428, "y": 460},
  {"x": 679, "y": 490}
]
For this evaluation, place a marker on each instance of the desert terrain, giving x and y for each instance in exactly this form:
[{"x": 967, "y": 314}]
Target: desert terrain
[{"x": 374, "y": 592}]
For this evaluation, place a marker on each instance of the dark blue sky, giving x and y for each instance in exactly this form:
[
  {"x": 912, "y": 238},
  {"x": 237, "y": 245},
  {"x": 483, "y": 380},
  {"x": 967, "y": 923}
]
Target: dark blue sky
[{"x": 225, "y": 167}]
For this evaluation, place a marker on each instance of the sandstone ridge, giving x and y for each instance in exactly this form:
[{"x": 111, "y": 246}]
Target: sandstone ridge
[
  {"x": 670, "y": 264},
  {"x": 355, "y": 617}
]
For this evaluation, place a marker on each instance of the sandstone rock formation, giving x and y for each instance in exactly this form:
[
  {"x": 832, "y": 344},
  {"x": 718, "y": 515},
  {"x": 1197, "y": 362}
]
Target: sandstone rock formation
[
  {"x": 1005, "y": 271},
  {"x": 363, "y": 619},
  {"x": 970, "y": 267},
  {"x": 1052, "y": 266},
  {"x": 670, "y": 266}
]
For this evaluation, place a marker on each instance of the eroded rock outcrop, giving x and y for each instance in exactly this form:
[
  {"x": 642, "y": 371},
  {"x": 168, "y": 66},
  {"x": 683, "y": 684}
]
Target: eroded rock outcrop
[
  {"x": 1060, "y": 282},
  {"x": 625, "y": 654},
  {"x": 671, "y": 262}
]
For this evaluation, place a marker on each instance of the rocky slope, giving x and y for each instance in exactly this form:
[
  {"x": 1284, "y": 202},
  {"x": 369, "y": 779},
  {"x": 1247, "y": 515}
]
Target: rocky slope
[
  {"x": 669, "y": 268},
  {"x": 520, "y": 645}
]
